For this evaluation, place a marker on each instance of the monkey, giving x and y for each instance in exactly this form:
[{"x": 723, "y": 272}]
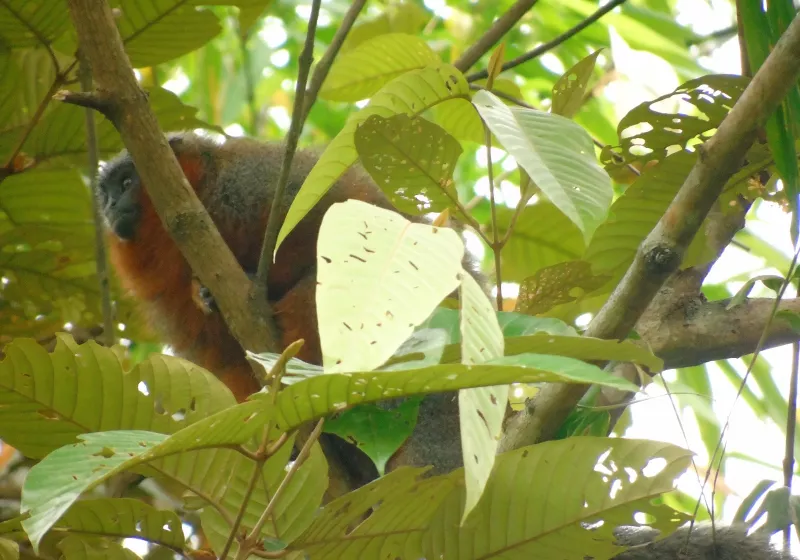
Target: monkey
[{"x": 236, "y": 181}]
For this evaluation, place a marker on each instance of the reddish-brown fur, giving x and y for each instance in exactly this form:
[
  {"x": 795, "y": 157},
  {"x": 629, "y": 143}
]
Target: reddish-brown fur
[{"x": 152, "y": 268}]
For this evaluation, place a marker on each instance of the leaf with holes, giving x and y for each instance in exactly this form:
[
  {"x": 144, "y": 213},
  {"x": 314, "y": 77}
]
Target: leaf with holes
[
  {"x": 411, "y": 94},
  {"x": 480, "y": 410},
  {"x": 58, "y": 480},
  {"x": 541, "y": 500},
  {"x": 378, "y": 276},
  {"x": 411, "y": 160},
  {"x": 557, "y": 154},
  {"x": 655, "y": 128},
  {"x": 570, "y": 90},
  {"x": 554, "y": 285}
]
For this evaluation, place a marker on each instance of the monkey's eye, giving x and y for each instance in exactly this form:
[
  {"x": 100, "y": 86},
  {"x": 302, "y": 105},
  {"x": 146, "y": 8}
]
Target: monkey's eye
[{"x": 127, "y": 182}]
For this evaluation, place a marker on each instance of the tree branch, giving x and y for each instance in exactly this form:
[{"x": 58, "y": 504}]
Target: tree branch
[
  {"x": 544, "y": 47},
  {"x": 295, "y": 128},
  {"x": 496, "y": 32},
  {"x": 182, "y": 214},
  {"x": 662, "y": 251},
  {"x": 711, "y": 332},
  {"x": 325, "y": 63}
]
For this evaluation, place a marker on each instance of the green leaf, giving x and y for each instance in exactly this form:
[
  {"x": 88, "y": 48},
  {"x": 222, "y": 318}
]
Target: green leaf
[
  {"x": 9, "y": 550},
  {"x": 542, "y": 237},
  {"x": 743, "y": 511},
  {"x": 52, "y": 398},
  {"x": 635, "y": 213},
  {"x": 771, "y": 281},
  {"x": 407, "y": 502},
  {"x": 31, "y": 24},
  {"x": 378, "y": 276},
  {"x": 124, "y": 518},
  {"x": 56, "y": 482},
  {"x": 83, "y": 547},
  {"x": 360, "y": 72},
  {"x": 570, "y": 89},
  {"x": 557, "y": 154},
  {"x": 410, "y": 94},
  {"x": 459, "y": 117},
  {"x": 540, "y": 498},
  {"x": 293, "y": 512},
  {"x": 480, "y": 411},
  {"x": 411, "y": 159},
  {"x": 401, "y": 17},
  {"x": 558, "y": 284},
  {"x": 649, "y": 132},
  {"x": 377, "y": 430},
  {"x": 155, "y": 31}
]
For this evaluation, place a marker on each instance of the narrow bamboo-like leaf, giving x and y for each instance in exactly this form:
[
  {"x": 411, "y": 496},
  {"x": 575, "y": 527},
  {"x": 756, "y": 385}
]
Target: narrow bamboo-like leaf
[
  {"x": 481, "y": 410},
  {"x": 557, "y": 154},
  {"x": 411, "y": 160},
  {"x": 411, "y": 94},
  {"x": 570, "y": 89},
  {"x": 360, "y": 72},
  {"x": 378, "y": 276}
]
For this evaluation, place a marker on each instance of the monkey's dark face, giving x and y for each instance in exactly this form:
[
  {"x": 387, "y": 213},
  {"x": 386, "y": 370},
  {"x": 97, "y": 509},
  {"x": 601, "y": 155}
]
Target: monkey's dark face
[{"x": 119, "y": 190}]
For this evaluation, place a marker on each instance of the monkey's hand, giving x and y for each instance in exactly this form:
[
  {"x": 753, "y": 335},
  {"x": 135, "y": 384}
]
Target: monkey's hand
[{"x": 203, "y": 298}]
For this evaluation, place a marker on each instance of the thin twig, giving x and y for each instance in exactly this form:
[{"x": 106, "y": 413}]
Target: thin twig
[
  {"x": 499, "y": 28},
  {"x": 253, "y": 537},
  {"x": 99, "y": 241},
  {"x": 791, "y": 427},
  {"x": 543, "y": 48},
  {"x": 295, "y": 128},
  {"x": 249, "y": 84},
  {"x": 325, "y": 63},
  {"x": 495, "y": 235}
]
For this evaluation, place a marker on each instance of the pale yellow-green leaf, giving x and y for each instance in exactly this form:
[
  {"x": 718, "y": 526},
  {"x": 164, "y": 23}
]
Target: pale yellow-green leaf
[
  {"x": 480, "y": 410},
  {"x": 459, "y": 117},
  {"x": 411, "y": 94},
  {"x": 540, "y": 498},
  {"x": 378, "y": 276},
  {"x": 360, "y": 72},
  {"x": 557, "y": 154}
]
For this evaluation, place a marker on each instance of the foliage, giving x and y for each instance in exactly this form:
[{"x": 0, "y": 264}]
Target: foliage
[{"x": 558, "y": 206}]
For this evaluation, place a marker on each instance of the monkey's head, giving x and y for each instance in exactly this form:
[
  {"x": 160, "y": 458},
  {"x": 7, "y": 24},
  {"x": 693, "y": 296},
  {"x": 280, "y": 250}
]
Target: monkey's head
[{"x": 119, "y": 190}]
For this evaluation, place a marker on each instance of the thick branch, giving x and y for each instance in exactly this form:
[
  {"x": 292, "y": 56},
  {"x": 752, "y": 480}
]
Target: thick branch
[
  {"x": 499, "y": 28},
  {"x": 183, "y": 215},
  {"x": 662, "y": 251},
  {"x": 713, "y": 333}
]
